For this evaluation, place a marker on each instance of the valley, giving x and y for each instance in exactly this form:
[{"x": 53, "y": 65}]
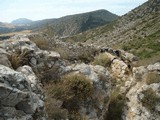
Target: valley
[{"x": 88, "y": 66}]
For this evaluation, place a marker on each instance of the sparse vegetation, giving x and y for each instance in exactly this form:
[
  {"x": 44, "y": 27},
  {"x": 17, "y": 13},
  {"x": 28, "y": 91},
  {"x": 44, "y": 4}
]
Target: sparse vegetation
[
  {"x": 145, "y": 47},
  {"x": 79, "y": 53},
  {"x": 150, "y": 99},
  {"x": 114, "y": 92}
]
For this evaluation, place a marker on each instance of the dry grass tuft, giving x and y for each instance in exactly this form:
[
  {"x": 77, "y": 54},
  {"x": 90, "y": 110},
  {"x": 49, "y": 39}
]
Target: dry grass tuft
[
  {"x": 19, "y": 58},
  {"x": 103, "y": 60},
  {"x": 152, "y": 78},
  {"x": 40, "y": 41}
]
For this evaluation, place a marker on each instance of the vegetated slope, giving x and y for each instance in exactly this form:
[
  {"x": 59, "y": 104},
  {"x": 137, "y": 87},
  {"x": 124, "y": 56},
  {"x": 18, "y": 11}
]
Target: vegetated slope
[
  {"x": 73, "y": 24},
  {"x": 21, "y": 21},
  {"x": 137, "y": 31}
]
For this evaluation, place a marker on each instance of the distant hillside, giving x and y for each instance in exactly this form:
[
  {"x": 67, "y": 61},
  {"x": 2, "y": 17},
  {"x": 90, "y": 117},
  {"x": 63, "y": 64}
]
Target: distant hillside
[
  {"x": 73, "y": 24},
  {"x": 137, "y": 31},
  {"x": 68, "y": 25},
  {"x": 15, "y": 26},
  {"x": 6, "y": 27},
  {"x": 21, "y": 21}
]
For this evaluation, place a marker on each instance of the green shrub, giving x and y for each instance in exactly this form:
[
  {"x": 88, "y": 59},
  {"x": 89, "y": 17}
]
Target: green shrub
[
  {"x": 72, "y": 89},
  {"x": 116, "y": 105},
  {"x": 150, "y": 99},
  {"x": 152, "y": 78},
  {"x": 79, "y": 85},
  {"x": 75, "y": 86},
  {"x": 103, "y": 60}
]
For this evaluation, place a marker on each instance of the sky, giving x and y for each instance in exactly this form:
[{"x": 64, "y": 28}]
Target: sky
[{"x": 45, "y": 9}]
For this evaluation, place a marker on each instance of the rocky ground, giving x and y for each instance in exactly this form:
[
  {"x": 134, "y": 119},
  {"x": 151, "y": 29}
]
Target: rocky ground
[{"x": 74, "y": 82}]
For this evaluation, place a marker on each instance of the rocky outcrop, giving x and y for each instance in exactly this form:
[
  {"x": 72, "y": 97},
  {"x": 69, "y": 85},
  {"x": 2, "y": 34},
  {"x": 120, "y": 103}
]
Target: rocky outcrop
[
  {"x": 139, "y": 89},
  {"x": 143, "y": 102},
  {"x": 100, "y": 78},
  {"x": 143, "y": 98},
  {"x": 21, "y": 96},
  {"x": 24, "y": 68},
  {"x": 21, "y": 51}
]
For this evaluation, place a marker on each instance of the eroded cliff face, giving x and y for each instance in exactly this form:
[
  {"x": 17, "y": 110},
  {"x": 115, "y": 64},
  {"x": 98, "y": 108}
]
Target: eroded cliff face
[{"x": 40, "y": 84}]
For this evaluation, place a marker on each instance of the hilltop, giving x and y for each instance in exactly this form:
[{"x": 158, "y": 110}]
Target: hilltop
[{"x": 21, "y": 21}]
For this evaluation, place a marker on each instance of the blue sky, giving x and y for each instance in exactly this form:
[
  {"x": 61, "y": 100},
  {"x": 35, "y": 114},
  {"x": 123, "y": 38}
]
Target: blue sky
[{"x": 42, "y": 9}]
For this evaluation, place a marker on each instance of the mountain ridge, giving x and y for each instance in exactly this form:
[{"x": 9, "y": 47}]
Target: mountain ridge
[
  {"x": 67, "y": 25},
  {"x": 77, "y": 22}
]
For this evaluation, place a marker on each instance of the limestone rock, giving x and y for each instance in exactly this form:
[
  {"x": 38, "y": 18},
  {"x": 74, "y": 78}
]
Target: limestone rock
[
  {"x": 154, "y": 67},
  {"x": 4, "y": 58},
  {"x": 139, "y": 73},
  {"x": 18, "y": 100},
  {"x": 135, "y": 109},
  {"x": 120, "y": 69},
  {"x": 100, "y": 79}
]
